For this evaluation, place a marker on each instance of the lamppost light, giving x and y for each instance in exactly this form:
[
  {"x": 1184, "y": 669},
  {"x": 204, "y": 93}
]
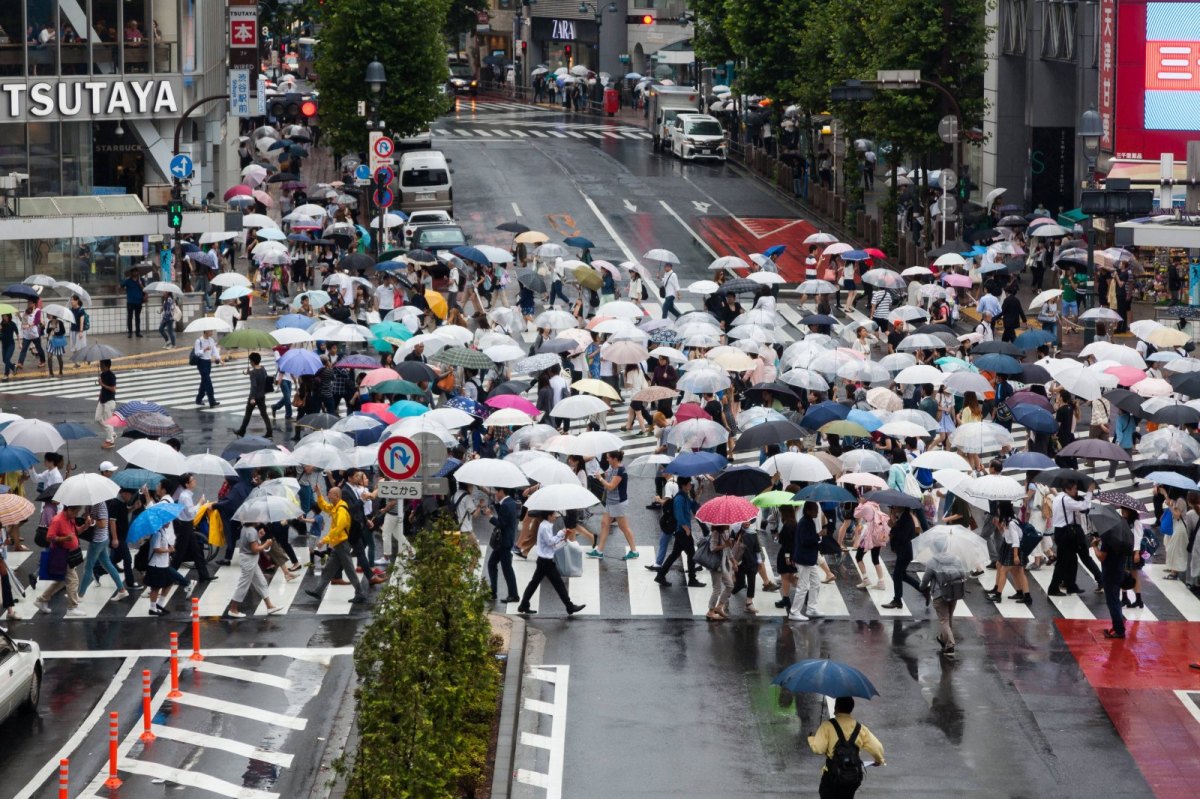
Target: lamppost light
[{"x": 376, "y": 76}]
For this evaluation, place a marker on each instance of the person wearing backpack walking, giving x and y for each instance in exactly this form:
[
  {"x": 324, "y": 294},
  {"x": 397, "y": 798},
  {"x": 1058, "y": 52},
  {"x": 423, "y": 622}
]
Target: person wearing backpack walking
[
  {"x": 841, "y": 740},
  {"x": 945, "y": 583}
]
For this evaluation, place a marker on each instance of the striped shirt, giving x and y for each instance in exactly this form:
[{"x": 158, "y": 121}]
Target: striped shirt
[
  {"x": 99, "y": 514},
  {"x": 881, "y": 300}
]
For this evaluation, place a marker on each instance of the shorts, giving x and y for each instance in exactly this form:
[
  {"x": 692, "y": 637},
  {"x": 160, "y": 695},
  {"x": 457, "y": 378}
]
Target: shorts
[
  {"x": 617, "y": 509},
  {"x": 1070, "y": 308},
  {"x": 847, "y": 284}
]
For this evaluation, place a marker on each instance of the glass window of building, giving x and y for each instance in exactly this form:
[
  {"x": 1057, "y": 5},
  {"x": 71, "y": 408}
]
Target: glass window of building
[
  {"x": 12, "y": 40},
  {"x": 135, "y": 37},
  {"x": 41, "y": 37},
  {"x": 45, "y": 179},
  {"x": 105, "y": 22},
  {"x": 164, "y": 29}
]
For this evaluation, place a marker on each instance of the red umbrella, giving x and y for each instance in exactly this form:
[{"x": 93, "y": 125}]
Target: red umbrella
[
  {"x": 727, "y": 510},
  {"x": 240, "y": 190},
  {"x": 379, "y": 409},
  {"x": 874, "y": 252},
  {"x": 1029, "y": 398},
  {"x": 690, "y": 410}
]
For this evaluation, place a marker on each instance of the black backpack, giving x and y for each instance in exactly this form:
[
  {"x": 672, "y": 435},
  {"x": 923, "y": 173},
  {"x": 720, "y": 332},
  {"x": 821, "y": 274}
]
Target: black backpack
[
  {"x": 845, "y": 766},
  {"x": 667, "y": 521},
  {"x": 645, "y": 291}
]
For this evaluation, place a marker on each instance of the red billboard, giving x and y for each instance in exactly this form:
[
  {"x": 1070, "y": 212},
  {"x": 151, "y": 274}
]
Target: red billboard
[{"x": 1157, "y": 77}]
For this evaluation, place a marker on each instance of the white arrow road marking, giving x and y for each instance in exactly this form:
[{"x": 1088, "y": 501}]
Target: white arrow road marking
[
  {"x": 701, "y": 207},
  {"x": 630, "y": 207}
]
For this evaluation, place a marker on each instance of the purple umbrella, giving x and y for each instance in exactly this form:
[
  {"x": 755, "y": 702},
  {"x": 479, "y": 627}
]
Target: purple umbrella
[
  {"x": 299, "y": 362},
  {"x": 1029, "y": 398},
  {"x": 1095, "y": 449}
]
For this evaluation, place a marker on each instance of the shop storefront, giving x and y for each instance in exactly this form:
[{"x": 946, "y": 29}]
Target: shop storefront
[{"x": 565, "y": 42}]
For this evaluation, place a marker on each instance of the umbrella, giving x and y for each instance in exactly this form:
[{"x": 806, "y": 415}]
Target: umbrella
[
  {"x": 21, "y": 291},
  {"x": 827, "y": 677},
  {"x": 824, "y": 492},
  {"x": 71, "y": 431},
  {"x": 940, "y": 459},
  {"x": 1060, "y": 478},
  {"x": 531, "y": 280},
  {"x": 96, "y": 352},
  {"x": 155, "y": 425},
  {"x": 590, "y": 385},
  {"x": 357, "y": 362},
  {"x": 560, "y": 497},
  {"x": 155, "y": 456},
  {"x": 742, "y": 481},
  {"x": 579, "y": 406},
  {"x": 464, "y": 357},
  {"x": 249, "y": 338},
  {"x": 1028, "y": 462},
  {"x": 1094, "y": 449},
  {"x": 512, "y": 401},
  {"x": 1111, "y": 526},
  {"x": 798, "y": 467},
  {"x": 1173, "y": 480},
  {"x": 767, "y": 433},
  {"x": 995, "y": 487},
  {"x": 580, "y": 242},
  {"x": 1122, "y": 500},
  {"x": 206, "y": 463},
  {"x": 691, "y": 464},
  {"x": 1034, "y": 417},
  {"x": 85, "y": 490},
  {"x": 979, "y": 437},
  {"x": 775, "y": 499},
  {"x": 153, "y": 519},
  {"x": 512, "y": 227},
  {"x": 14, "y": 509},
  {"x": 1000, "y": 364},
  {"x": 726, "y": 511},
  {"x": 959, "y": 542},
  {"x": 32, "y": 434},
  {"x": 416, "y": 372},
  {"x": 492, "y": 473},
  {"x": 134, "y": 479},
  {"x": 535, "y": 363},
  {"x": 894, "y": 499},
  {"x": 267, "y": 509}
]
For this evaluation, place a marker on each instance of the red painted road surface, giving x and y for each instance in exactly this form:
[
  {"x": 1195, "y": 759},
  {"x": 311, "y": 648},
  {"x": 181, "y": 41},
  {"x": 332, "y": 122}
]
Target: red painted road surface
[
  {"x": 1150, "y": 693},
  {"x": 741, "y": 236}
]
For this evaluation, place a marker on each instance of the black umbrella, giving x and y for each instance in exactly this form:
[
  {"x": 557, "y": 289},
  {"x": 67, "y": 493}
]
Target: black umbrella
[
  {"x": 1032, "y": 373},
  {"x": 1094, "y": 449},
  {"x": 510, "y": 387},
  {"x": 240, "y": 446},
  {"x": 280, "y": 177},
  {"x": 949, "y": 247},
  {"x": 1001, "y": 347},
  {"x": 1059, "y": 478},
  {"x": 139, "y": 268},
  {"x": 1112, "y": 528},
  {"x": 742, "y": 481},
  {"x": 21, "y": 290},
  {"x": 421, "y": 256},
  {"x": 1012, "y": 221},
  {"x": 779, "y": 392},
  {"x": 512, "y": 227},
  {"x": 1126, "y": 400},
  {"x": 739, "y": 285},
  {"x": 1180, "y": 415},
  {"x": 766, "y": 433},
  {"x": 1014, "y": 265},
  {"x": 437, "y": 270},
  {"x": 531, "y": 280},
  {"x": 894, "y": 499},
  {"x": 936, "y": 328},
  {"x": 1187, "y": 383},
  {"x": 357, "y": 262},
  {"x": 818, "y": 319},
  {"x": 415, "y": 371},
  {"x": 390, "y": 255},
  {"x": 1143, "y": 468}
]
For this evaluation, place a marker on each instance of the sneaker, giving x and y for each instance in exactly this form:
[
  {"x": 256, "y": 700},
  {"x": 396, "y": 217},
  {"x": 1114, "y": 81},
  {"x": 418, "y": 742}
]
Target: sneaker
[
  {"x": 879, "y": 586},
  {"x": 813, "y": 614},
  {"x": 631, "y": 554},
  {"x": 76, "y": 613},
  {"x": 236, "y": 614},
  {"x": 796, "y": 615},
  {"x": 595, "y": 554},
  {"x": 122, "y": 594},
  {"x": 44, "y": 607},
  {"x": 864, "y": 584},
  {"x": 381, "y": 561},
  {"x": 948, "y": 653}
]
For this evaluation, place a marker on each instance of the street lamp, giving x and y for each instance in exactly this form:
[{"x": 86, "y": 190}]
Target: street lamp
[
  {"x": 376, "y": 77},
  {"x": 1089, "y": 132},
  {"x": 598, "y": 16}
]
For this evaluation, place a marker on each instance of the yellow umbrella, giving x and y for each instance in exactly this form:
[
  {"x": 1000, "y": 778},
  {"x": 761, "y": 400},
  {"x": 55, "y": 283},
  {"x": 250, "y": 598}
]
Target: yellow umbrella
[
  {"x": 588, "y": 278},
  {"x": 845, "y": 428},
  {"x": 1168, "y": 337},
  {"x": 437, "y": 304},
  {"x": 8, "y": 309},
  {"x": 590, "y": 385},
  {"x": 532, "y": 237}
]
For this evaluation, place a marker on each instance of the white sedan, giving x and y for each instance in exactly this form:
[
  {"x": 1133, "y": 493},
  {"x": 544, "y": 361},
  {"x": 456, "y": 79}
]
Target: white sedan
[{"x": 20, "y": 675}]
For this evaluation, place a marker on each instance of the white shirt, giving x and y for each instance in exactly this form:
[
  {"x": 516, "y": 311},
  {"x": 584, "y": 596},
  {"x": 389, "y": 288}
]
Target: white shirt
[
  {"x": 560, "y": 386},
  {"x": 1065, "y": 510},
  {"x": 229, "y": 315},
  {"x": 985, "y": 332},
  {"x": 548, "y": 541},
  {"x": 187, "y": 499},
  {"x": 385, "y": 297},
  {"x": 670, "y": 284},
  {"x": 206, "y": 349},
  {"x": 163, "y": 539}
]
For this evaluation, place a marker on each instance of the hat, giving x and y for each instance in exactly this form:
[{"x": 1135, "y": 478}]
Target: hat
[{"x": 108, "y": 466}]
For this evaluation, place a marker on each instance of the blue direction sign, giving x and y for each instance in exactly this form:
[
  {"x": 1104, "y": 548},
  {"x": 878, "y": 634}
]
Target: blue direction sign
[
  {"x": 383, "y": 198},
  {"x": 363, "y": 172},
  {"x": 181, "y": 167},
  {"x": 384, "y": 176}
]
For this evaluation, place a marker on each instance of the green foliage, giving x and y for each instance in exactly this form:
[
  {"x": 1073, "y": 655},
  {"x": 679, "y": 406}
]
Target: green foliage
[
  {"x": 461, "y": 17},
  {"x": 428, "y": 677},
  {"x": 403, "y": 35},
  {"x": 711, "y": 42}
]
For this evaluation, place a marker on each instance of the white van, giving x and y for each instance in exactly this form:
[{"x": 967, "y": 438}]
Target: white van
[{"x": 425, "y": 182}]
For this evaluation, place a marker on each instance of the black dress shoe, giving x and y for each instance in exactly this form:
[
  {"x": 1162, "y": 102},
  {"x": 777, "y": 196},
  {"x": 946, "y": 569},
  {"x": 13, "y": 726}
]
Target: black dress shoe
[
  {"x": 313, "y": 594},
  {"x": 526, "y": 611},
  {"x": 511, "y": 599},
  {"x": 894, "y": 605},
  {"x": 213, "y": 404},
  {"x": 359, "y": 600},
  {"x": 573, "y": 609},
  {"x": 694, "y": 583},
  {"x": 663, "y": 581},
  {"x": 1056, "y": 592}
]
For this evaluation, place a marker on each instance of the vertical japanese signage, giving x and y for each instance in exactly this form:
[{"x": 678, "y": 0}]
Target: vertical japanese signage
[
  {"x": 1106, "y": 86},
  {"x": 239, "y": 92},
  {"x": 243, "y": 34}
]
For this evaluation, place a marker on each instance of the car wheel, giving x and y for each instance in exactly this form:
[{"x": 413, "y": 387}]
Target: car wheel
[{"x": 35, "y": 691}]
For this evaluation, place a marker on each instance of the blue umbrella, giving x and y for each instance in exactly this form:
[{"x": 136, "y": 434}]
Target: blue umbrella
[
  {"x": 153, "y": 519},
  {"x": 468, "y": 405},
  {"x": 1029, "y": 461},
  {"x": 580, "y": 242},
  {"x": 73, "y": 431},
  {"x": 691, "y": 464},
  {"x": 408, "y": 408},
  {"x": 827, "y": 677},
  {"x": 14, "y": 459},
  {"x": 999, "y": 363},
  {"x": 823, "y": 413},
  {"x": 134, "y": 479},
  {"x": 824, "y": 492},
  {"x": 296, "y": 320},
  {"x": 448, "y": 467},
  {"x": 1172, "y": 479},
  {"x": 1035, "y": 418},
  {"x": 865, "y": 418},
  {"x": 302, "y": 237},
  {"x": 21, "y": 290},
  {"x": 775, "y": 250},
  {"x": 189, "y": 247},
  {"x": 1032, "y": 339},
  {"x": 471, "y": 254},
  {"x": 127, "y": 409},
  {"x": 855, "y": 255},
  {"x": 299, "y": 362}
]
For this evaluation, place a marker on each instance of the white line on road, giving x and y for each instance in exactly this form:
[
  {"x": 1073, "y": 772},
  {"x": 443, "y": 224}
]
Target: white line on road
[
  {"x": 609, "y": 228},
  {"x": 555, "y": 742},
  {"x": 314, "y": 655},
  {"x": 202, "y": 741},
  {"x": 688, "y": 228},
  {"x": 235, "y": 673},
  {"x": 516, "y": 209},
  {"x": 193, "y": 779},
  {"x": 244, "y": 711},
  {"x": 645, "y": 595}
]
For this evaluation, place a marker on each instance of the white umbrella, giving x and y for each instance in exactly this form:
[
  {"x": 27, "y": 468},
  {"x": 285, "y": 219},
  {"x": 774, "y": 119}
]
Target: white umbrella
[
  {"x": 450, "y": 418},
  {"x": 1080, "y": 382},
  {"x": 962, "y": 543},
  {"x": 265, "y": 458},
  {"x": 549, "y": 471},
  {"x": 508, "y": 417},
  {"x": 996, "y": 487},
  {"x": 216, "y": 237},
  {"x": 227, "y": 279},
  {"x": 936, "y": 459},
  {"x": 505, "y": 353},
  {"x": 979, "y": 437},
  {"x": 805, "y": 378},
  {"x": 697, "y": 434},
  {"x": 291, "y": 335},
  {"x": 702, "y": 287},
  {"x": 59, "y": 311},
  {"x": 820, "y": 238},
  {"x": 766, "y": 278},
  {"x": 623, "y": 352},
  {"x": 85, "y": 489},
  {"x": 532, "y": 436},
  {"x": 163, "y": 285},
  {"x": 666, "y": 256},
  {"x": 322, "y": 456},
  {"x": 266, "y": 509},
  {"x": 704, "y": 381},
  {"x": 862, "y": 479},
  {"x": 620, "y": 308},
  {"x": 235, "y": 293},
  {"x": 497, "y": 255},
  {"x": 32, "y": 434},
  {"x": 591, "y": 444},
  {"x": 914, "y": 415},
  {"x": 1044, "y": 297},
  {"x": 207, "y": 463},
  {"x": 950, "y": 259},
  {"x": 560, "y": 497},
  {"x": 962, "y": 382},
  {"x": 579, "y": 406},
  {"x": 797, "y": 467},
  {"x": 389, "y": 221},
  {"x": 207, "y": 323},
  {"x": 258, "y": 220},
  {"x": 79, "y": 291},
  {"x": 491, "y": 473},
  {"x": 903, "y": 429},
  {"x": 333, "y": 438},
  {"x": 555, "y": 320},
  {"x": 864, "y": 460}
]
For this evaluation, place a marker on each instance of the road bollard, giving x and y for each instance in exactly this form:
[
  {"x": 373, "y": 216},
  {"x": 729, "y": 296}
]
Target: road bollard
[
  {"x": 196, "y": 630},
  {"x": 175, "y": 693},
  {"x": 147, "y": 733},
  {"x": 64, "y": 778},
  {"x": 113, "y": 780}
]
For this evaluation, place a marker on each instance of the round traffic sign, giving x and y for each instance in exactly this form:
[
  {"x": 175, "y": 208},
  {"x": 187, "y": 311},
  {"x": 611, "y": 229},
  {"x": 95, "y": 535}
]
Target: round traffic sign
[
  {"x": 399, "y": 458},
  {"x": 384, "y": 176},
  {"x": 383, "y": 198},
  {"x": 384, "y": 147},
  {"x": 948, "y": 179}
]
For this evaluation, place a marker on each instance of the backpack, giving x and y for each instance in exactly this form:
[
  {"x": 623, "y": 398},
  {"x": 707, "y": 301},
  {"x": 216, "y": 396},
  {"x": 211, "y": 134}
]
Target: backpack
[
  {"x": 911, "y": 486},
  {"x": 881, "y": 528},
  {"x": 85, "y": 322},
  {"x": 845, "y": 766},
  {"x": 1149, "y": 545},
  {"x": 645, "y": 291},
  {"x": 955, "y": 589},
  {"x": 667, "y": 521},
  {"x": 1030, "y": 538},
  {"x": 141, "y": 560}
]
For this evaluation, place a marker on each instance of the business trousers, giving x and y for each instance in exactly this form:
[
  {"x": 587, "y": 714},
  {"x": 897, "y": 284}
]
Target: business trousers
[
  {"x": 261, "y": 404},
  {"x": 502, "y": 558},
  {"x": 1066, "y": 566},
  {"x": 342, "y": 564},
  {"x": 1112, "y": 569},
  {"x": 133, "y": 319},
  {"x": 204, "y": 367},
  {"x": 545, "y": 569},
  {"x": 900, "y": 573}
]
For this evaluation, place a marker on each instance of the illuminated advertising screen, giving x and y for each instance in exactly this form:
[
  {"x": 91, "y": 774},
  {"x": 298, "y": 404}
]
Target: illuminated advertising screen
[{"x": 1157, "y": 78}]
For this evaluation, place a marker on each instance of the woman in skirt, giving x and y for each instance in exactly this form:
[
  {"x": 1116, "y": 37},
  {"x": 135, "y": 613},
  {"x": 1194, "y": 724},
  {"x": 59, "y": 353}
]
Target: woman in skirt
[
  {"x": 946, "y": 417},
  {"x": 56, "y": 333}
]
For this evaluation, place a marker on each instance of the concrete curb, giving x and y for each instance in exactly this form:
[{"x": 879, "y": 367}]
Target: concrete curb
[{"x": 510, "y": 712}]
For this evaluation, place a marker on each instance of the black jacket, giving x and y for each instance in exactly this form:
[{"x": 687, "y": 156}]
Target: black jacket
[
  {"x": 358, "y": 516},
  {"x": 505, "y": 521}
]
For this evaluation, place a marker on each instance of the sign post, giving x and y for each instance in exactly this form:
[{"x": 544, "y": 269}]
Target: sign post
[{"x": 243, "y": 35}]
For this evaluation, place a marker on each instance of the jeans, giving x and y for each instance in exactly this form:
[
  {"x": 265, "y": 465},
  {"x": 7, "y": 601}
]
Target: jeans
[
  {"x": 133, "y": 319},
  {"x": 900, "y": 573},
  {"x": 668, "y": 307},
  {"x": 98, "y": 553},
  {"x": 556, "y": 290},
  {"x": 166, "y": 329},
  {"x": 285, "y": 398},
  {"x": 36, "y": 343},
  {"x": 545, "y": 569},
  {"x": 204, "y": 367},
  {"x": 664, "y": 541},
  {"x": 1113, "y": 570},
  {"x": 8, "y": 350},
  {"x": 502, "y": 558}
]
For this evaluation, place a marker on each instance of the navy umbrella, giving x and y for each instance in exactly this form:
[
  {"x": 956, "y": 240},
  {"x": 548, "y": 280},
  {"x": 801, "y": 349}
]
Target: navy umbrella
[
  {"x": 818, "y": 319},
  {"x": 1032, "y": 339},
  {"x": 1002, "y": 347},
  {"x": 512, "y": 227},
  {"x": 742, "y": 481},
  {"x": 824, "y": 492},
  {"x": 1032, "y": 373},
  {"x": 855, "y": 255},
  {"x": 1000, "y": 364},
  {"x": 823, "y": 413},
  {"x": 1028, "y": 461},
  {"x": 690, "y": 464},
  {"x": 21, "y": 290},
  {"x": 826, "y": 677},
  {"x": 1036, "y": 419},
  {"x": 580, "y": 242},
  {"x": 300, "y": 237},
  {"x": 775, "y": 250},
  {"x": 471, "y": 254}
]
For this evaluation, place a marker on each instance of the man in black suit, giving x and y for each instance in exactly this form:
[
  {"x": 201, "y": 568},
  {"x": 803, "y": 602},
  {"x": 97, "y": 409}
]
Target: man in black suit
[{"x": 503, "y": 539}]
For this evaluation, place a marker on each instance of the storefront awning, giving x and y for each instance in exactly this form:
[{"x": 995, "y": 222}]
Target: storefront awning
[
  {"x": 86, "y": 204},
  {"x": 1164, "y": 231}
]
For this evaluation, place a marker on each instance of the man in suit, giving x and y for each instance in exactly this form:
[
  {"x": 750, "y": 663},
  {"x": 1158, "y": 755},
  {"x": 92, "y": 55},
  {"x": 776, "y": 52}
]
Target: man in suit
[
  {"x": 505, "y": 522},
  {"x": 361, "y": 539}
]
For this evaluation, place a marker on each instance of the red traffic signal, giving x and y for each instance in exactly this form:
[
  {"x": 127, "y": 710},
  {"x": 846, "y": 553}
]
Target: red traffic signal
[
  {"x": 647, "y": 19},
  {"x": 567, "y": 50},
  {"x": 524, "y": 47},
  {"x": 309, "y": 108}
]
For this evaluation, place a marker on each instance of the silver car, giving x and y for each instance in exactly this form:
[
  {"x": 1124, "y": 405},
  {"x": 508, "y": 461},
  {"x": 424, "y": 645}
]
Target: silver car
[{"x": 20, "y": 675}]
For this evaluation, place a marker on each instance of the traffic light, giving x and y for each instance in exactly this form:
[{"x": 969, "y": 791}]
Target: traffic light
[
  {"x": 308, "y": 109},
  {"x": 289, "y": 107},
  {"x": 175, "y": 214},
  {"x": 567, "y": 50},
  {"x": 639, "y": 19},
  {"x": 524, "y": 47}
]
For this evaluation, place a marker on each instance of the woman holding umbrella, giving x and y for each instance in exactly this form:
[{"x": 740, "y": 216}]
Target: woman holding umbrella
[{"x": 1009, "y": 556}]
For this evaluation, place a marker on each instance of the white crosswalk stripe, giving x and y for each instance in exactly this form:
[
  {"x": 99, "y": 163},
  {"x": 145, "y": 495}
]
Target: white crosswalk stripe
[{"x": 461, "y": 132}]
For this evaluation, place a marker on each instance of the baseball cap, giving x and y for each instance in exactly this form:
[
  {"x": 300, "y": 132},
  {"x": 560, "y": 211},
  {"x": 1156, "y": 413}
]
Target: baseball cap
[{"x": 108, "y": 466}]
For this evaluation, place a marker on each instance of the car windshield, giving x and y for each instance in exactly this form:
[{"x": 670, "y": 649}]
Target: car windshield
[
  {"x": 460, "y": 71},
  {"x": 426, "y": 218},
  {"x": 440, "y": 237},
  {"x": 705, "y": 127},
  {"x": 417, "y": 178}
]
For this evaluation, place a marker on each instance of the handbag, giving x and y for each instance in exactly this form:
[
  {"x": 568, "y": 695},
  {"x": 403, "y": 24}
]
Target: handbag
[
  {"x": 74, "y": 557},
  {"x": 568, "y": 559},
  {"x": 706, "y": 556},
  {"x": 52, "y": 567}
]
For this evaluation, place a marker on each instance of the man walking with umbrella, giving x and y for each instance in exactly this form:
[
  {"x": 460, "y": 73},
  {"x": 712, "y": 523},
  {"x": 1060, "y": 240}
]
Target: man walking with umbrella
[
  {"x": 839, "y": 739},
  {"x": 1113, "y": 542}
]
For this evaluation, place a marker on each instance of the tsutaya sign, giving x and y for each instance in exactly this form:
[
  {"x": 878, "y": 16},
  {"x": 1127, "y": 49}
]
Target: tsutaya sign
[{"x": 66, "y": 99}]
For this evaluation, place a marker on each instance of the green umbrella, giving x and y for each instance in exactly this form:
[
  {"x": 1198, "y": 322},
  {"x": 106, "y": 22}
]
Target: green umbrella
[
  {"x": 249, "y": 338},
  {"x": 379, "y": 345},
  {"x": 774, "y": 499},
  {"x": 465, "y": 357},
  {"x": 392, "y": 330},
  {"x": 588, "y": 278},
  {"x": 397, "y": 387}
]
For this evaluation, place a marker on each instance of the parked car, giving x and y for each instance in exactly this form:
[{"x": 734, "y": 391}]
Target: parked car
[
  {"x": 437, "y": 237},
  {"x": 20, "y": 675},
  {"x": 417, "y": 218},
  {"x": 697, "y": 136},
  {"x": 425, "y": 182}
]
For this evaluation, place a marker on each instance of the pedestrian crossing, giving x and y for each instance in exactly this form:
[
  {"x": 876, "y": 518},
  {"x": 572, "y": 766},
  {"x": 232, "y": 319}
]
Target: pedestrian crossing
[{"x": 544, "y": 131}]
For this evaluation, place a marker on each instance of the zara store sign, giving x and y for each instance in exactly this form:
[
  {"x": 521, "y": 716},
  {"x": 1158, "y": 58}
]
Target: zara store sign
[
  {"x": 88, "y": 98},
  {"x": 563, "y": 29}
]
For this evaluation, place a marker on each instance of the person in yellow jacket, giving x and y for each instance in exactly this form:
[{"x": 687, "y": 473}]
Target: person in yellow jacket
[
  {"x": 840, "y": 780},
  {"x": 335, "y": 538}
]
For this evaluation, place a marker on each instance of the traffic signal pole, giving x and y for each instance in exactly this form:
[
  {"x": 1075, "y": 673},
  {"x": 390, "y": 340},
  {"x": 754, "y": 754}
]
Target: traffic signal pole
[{"x": 177, "y": 184}]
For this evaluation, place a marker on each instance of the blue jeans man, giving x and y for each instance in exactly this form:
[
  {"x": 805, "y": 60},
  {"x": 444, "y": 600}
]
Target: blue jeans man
[
  {"x": 668, "y": 307},
  {"x": 556, "y": 290},
  {"x": 285, "y": 398},
  {"x": 97, "y": 553},
  {"x": 36, "y": 343},
  {"x": 166, "y": 329},
  {"x": 204, "y": 367}
]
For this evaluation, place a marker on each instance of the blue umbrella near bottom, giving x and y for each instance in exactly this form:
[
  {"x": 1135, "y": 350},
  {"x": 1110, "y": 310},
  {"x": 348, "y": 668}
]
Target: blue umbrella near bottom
[
  {"x": 828, "y": 677},
  {"x": 153, "y": 519}
]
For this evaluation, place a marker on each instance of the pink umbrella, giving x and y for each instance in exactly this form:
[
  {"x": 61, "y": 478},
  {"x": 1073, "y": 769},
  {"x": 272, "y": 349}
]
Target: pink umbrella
[
  {"x": 957, "y": 281},
  {"x": 727, "y": 510},
  {"x": 377, "y": 376},
  {"x": 690, "y": 410},
  {"x": 115, "y": 421},
  {"x": 1126, "y": 375},
  {"x": 380, "y": 410},
  {"x": 264, "y": 198},
  {"x": 512, "y": 401},
  {"x": 240, "y": 190}
]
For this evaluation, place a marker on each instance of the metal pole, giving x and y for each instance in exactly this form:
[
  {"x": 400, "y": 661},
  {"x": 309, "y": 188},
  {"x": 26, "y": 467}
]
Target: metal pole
[{"x": 177, "y": 188}]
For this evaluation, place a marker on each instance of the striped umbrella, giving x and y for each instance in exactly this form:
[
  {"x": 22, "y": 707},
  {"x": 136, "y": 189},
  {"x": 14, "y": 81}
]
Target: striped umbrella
[
  {"x": 153, "y": 424},
  {"x": 358, "y": 362},
  {"x": 14, "y": 509},
  {"x": 464, "y": 357}
]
